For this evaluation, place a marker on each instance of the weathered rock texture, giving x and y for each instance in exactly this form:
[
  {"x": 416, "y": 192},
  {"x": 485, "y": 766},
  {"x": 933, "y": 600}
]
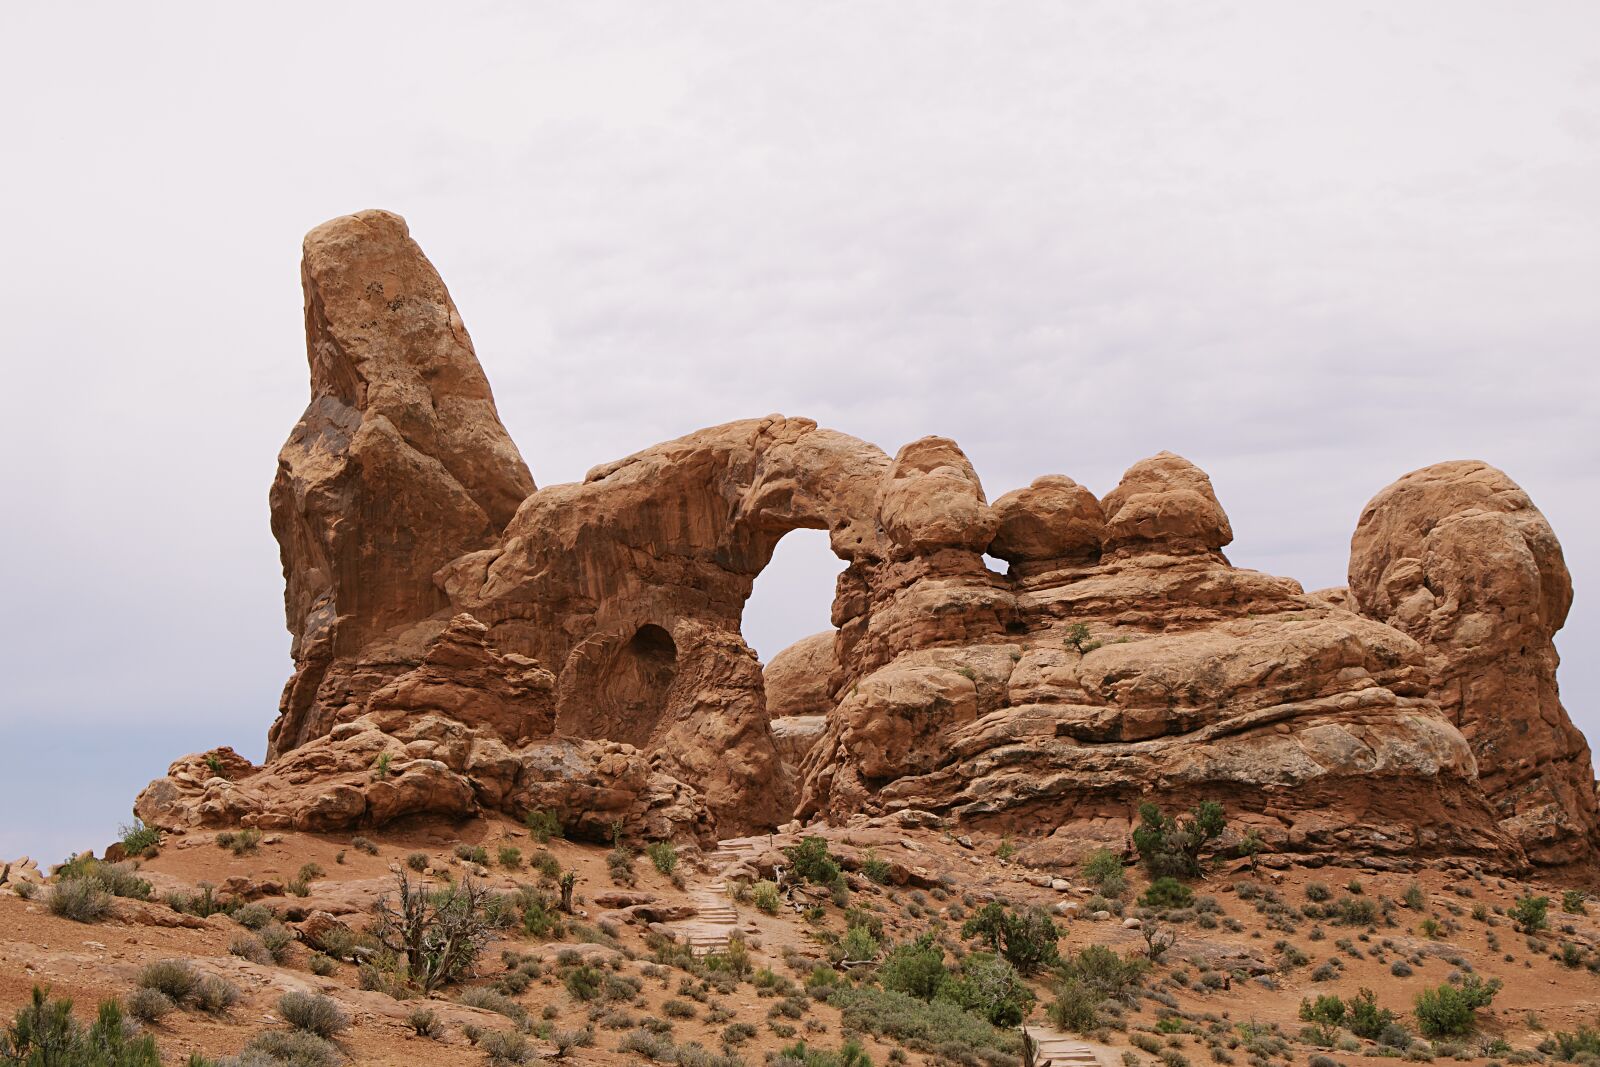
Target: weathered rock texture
[
  {"x": 1456, "y": 556},
  {"x": 578, "y": 647}
]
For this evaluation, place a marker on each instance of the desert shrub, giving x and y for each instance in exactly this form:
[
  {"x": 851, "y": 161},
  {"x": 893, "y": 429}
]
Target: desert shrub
[
  {"x": 79, "y": 899},
  {"x": 506, "y": 1046},
  {"x": 1103, "y": 870},
  {"x": 424, "y": 1022},
  {"x": 313, "y": 1013},
  {"x": 277, "y": 939},
  {"x": 149, "y": 1005},
  {"x": 915, "y": 968},
  {"x": 417, "y": 861},
  {"x": 876, "y": 868},
  {"x": 1325, "y": 1014},
  {"x": 175, "y": 978},
  {"x": 239, "y": 842},
  {"x": 364, "y": 844},
  {"x": 215, "y": 995},
  {"x": 472, "y": 854},
  {"x": 1167, "y": 892},
  {"x": 249, "y": 947},
  {"x": 1172, "y": 847},
  {"x": 1413, "y": 897},
  {"x": 44, "y": 1033},
  {"x": 813, "y": 862},
  {"x": 1318, "y": 892},
  {"x": 1452, "y": 1010},
  {"x": 1366, "y": 1019},
  {"x": 765, "y": 896},
  {"x": 1530, "y": 913},
  {"x": 253, "y": 916},
  {"x": 1111, "y": 976},
  {"x": 543, "y": 825},
  {"x": 583, "y": 982},
  {"x": 678, "y": 1009},
  {"x": 1572, "y": 901},
  {"x": 1027, "y": 939},
  {"x": 1076, "y": 1007},
  {"x": 619, "y": 863},
  {"x": 139, "y": 839},
  {"x": 117, "y": 879},
  {"x": 991, "y": 988},
  {"x": 435, "y": 935},
  {"x": 799, "y": 1054},
  {"x": 1569, "y": 1046},
  {"x": 1354, "y": 911},
  {"x": 321, "y": 965},
  {"x": 289, "y": 1048},
  {"x": 938, "y": 1026},
  {"x": 663, "y": 855}
]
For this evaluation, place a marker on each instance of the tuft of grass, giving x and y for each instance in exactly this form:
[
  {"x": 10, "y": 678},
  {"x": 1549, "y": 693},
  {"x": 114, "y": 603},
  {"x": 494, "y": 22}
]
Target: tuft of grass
[
  {"x": 417, "y": 861},
  {"x": 543, "y": 825},
  {"x": 425, "y": 1023},
  {"x": 239, "y": 842},
  {"x": 663, "y": 855},
  {"x": 313, "y": 1013},
  {"x": 175, "y": 978},
  {"x": 290, "y": 1048},
  {"x": 149, "y": 1006},
  {"x": 79, "y": 899}
]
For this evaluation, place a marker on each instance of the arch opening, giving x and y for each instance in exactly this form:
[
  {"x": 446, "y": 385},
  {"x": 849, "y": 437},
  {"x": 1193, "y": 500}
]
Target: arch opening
[{"x": 792, "y": 597}]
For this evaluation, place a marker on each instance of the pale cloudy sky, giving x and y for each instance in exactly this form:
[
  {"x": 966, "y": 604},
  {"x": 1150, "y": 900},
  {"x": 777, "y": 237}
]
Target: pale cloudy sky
[{"x": 1311, "y": 246}]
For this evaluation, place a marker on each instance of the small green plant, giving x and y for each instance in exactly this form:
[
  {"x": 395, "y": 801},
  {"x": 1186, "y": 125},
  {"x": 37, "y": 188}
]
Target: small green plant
[
  {"x": 1365, "y": 1018},
  {"x": 1452, "y": 1010},
  {"x": 1325, "y": 1014},
  {"x": 764, "y": 895},
  {"x": 44, "y": 1033},
  {"x": 139, "y": 839},
  {"x": 813, "y": 862},
  {"x": 1413, "y": 898},
  {"x": 313, "y": 1013},
  {"x": 859, "y": 945},
  {"x": 1027, "y": 939},
  {"x": 543, "y": 825},
  {"x": 1167, "y": 892},
  {"x": 417, "y": 861},
  {"x": 1171, "y": 847},
  {"x": 1103, "y": 870},
  {"x": 1530, "y": 913},
  {"x": 239, "y": 842},
  {"x": 1572, "y": 902},
  {"x": 380, "y": 766},
  {"x": 476, "y": 854},
  {"x": 1078, "y": 639},
  {"x": 509, "y": 856},
  {"x": 663, "y": 855},
  {"x": 1250, "y": 846},
  {"x": 79, "y": 899},
  {"x": 362, "y": 844},
  {"x": 876, "y": 868},
  {"x": 424, "y": 1022}
]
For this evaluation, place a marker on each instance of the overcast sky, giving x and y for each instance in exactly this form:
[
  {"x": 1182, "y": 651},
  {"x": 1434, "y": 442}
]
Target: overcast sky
[{"x": 1308, "y": 246}]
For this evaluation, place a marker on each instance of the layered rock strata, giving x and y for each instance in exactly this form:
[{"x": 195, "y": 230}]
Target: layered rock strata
[{"x": 464, "y": 641}]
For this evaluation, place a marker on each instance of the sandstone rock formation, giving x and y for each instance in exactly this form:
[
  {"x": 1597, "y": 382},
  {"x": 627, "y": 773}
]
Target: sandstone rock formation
[
  {"x": 578, "y": 647},
  {"x": 1456, "y": 556}
]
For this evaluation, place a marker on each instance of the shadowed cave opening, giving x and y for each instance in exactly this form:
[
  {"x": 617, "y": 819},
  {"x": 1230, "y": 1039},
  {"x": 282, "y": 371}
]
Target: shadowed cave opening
[{"x": 633, "y": 691}]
